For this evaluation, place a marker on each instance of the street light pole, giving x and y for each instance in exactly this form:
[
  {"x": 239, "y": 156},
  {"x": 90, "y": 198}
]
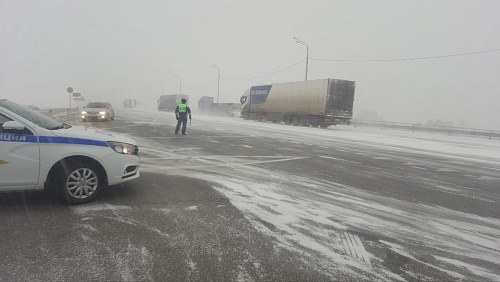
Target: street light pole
[
  {"x": 307, "y": 52},
  {"x": 180, "y": 84},
  {"x": 218, "y": 80}
]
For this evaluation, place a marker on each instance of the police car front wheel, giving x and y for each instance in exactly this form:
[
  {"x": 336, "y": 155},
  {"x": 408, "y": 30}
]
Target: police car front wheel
[{"x": 80, "y": 182}]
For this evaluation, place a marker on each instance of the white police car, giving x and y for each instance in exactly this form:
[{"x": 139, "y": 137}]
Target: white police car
[{"x": 38, "y": 152}]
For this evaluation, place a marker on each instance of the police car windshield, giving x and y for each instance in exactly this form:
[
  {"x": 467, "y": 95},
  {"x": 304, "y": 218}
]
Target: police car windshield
[{"x": 31, "y": 115}]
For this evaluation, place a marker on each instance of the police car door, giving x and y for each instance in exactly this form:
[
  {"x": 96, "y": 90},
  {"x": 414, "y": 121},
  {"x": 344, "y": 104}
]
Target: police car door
[{"x": 19, "y": 156}]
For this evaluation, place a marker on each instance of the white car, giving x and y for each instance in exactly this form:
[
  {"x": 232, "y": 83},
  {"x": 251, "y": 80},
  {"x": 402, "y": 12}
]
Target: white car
[
  {"x": 38, "y": 152},
  {"x": 98, "y": 111}
]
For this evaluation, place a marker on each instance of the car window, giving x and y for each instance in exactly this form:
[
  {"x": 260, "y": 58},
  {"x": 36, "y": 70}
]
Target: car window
[
  {"x": 96, "y": 105},
  {"x": 31, "y": 115}
]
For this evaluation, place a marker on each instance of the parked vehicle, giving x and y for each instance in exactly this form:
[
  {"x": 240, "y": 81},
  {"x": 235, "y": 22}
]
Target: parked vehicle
[
  {"x": 99, "y": 111},
  {"x": 130, "y": 103},
  {"x": 206, "y": 105},
  {"x": 322, "y": 102},
  {"x": 226, "y": 109},
  {"x": 38, "y": 152},
  {"x": 169, "y": 102}
]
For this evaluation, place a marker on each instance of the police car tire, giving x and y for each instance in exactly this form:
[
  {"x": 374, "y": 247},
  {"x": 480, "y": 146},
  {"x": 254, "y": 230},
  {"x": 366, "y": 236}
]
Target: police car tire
[{"x": 79, "y": 182}]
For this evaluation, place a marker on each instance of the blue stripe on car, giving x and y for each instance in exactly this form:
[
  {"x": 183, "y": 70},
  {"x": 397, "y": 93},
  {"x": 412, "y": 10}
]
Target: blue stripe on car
[
  {"x": 70, "y": 140},
  {"x": 50, "y": 140}
]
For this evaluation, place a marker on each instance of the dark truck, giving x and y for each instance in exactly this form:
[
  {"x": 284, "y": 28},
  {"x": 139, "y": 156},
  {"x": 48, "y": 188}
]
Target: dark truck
[
  {"x": 318, "y": 103},
  {"x": 206, "y": 105},
  {"x": 169, "y": 102}
]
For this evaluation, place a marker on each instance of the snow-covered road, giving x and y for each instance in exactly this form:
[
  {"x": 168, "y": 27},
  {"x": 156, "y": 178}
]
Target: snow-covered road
[{"x": 331, "y": 216}]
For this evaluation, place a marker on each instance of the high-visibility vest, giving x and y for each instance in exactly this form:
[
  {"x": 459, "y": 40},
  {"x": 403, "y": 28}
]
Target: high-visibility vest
[{"x": 182, "y": 108}]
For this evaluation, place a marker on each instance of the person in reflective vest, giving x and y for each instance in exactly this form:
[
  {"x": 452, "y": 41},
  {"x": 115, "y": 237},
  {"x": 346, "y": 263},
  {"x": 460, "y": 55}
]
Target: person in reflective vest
[{"x": 181, "y": 113}]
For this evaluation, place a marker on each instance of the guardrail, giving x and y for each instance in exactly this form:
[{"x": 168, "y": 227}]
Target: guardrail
[{"x": 446, "y": 130}]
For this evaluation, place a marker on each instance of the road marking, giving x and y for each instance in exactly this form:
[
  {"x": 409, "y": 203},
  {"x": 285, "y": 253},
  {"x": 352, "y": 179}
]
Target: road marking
[
  {"x": 490, "y": 168},
  {"x": 361, "y": 154},
  {"x": 454, "y": 162},
  {"x": 162, "y": 137},
  {"x": 210, "y": 157},
  {"x": 381, "y": 158},
  {"x": 157, "y": 168},
  {"x": 326, "y": 157},
  {"x": 354, "y": 247},
  {"x": 447, "y": 170},
  {"x": 418, "y": 167},
  {"x": 489, "y": 178},
  {"x": 342, "y": 150},
  {"x": 130, "y": 125},
  {"x": 458, "y": 194},
  {"x": 227, "y": 136}
]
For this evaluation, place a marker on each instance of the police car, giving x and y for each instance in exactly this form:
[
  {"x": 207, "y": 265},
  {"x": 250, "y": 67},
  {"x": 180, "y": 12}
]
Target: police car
[{"x": 38, "y": 152}]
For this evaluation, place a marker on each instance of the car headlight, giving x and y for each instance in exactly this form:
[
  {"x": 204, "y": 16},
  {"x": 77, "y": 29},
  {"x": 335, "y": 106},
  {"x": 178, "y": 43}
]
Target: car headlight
[
  {"x": 124, "y": 148},
  {"x": 84, "y": 112},
  {"x": 102, "y": 113}
]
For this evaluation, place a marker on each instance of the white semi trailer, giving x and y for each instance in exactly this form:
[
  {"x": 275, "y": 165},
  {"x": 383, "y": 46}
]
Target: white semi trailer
[{"x": 322, "y": 102}]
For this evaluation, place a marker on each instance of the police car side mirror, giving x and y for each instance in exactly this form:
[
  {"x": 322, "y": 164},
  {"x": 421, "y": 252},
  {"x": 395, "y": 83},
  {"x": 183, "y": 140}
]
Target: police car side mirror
[{"x": 13, "y": 125}]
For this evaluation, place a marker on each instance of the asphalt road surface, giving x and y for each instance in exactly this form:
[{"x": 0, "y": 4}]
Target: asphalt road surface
[{"x": 239, "y": 200}]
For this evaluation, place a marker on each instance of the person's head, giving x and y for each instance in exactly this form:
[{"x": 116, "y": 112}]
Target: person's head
[{"x": 183, "y": 101}]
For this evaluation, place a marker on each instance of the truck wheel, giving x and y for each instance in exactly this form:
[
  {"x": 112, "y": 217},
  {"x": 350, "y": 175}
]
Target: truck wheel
[
  {"x": 315, "y": 124},
  {"x": 323, "y": 125},
  {"x": 79, "y": 182}
]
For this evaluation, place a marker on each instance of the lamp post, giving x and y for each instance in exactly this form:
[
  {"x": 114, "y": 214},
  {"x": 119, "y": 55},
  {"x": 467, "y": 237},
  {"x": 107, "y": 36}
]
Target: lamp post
[
  {"x": 180, "y": 84},
  {"x": 147, "y": 101},
  {"x": 307, "y": 52},
  {"x": 218, "y": 80}
]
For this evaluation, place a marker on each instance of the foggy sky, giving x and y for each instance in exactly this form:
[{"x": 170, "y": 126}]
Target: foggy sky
[{"x": 110, "y": 50}]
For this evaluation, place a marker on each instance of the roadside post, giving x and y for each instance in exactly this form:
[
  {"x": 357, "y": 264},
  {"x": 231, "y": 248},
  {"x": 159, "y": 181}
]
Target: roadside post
[{"x": 70, "y": 90}]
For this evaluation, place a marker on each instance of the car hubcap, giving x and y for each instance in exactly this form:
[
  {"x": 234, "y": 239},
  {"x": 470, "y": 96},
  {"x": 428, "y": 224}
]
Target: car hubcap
[{"x": 82, "y": 183}]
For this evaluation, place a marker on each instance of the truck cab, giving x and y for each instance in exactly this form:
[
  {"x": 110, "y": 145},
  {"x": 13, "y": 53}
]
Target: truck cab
[{"x": 245, "y": 103}]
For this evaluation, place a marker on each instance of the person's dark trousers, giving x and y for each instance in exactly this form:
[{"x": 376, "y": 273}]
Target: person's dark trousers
[{"x": 184, "y": 121}]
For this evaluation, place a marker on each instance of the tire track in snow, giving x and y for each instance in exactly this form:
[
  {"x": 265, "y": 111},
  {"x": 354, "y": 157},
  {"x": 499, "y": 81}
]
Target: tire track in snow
[{"x": 354, "y": 247}]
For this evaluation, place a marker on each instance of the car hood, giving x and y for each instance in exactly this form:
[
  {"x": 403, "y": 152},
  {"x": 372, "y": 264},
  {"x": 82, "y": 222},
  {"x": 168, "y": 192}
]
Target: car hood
[{"x": 92, "y": 134}]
